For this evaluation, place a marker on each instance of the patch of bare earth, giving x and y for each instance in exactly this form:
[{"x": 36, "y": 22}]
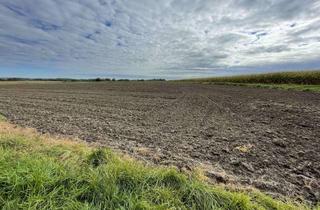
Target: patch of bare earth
[{"x": 269, "y": 139}]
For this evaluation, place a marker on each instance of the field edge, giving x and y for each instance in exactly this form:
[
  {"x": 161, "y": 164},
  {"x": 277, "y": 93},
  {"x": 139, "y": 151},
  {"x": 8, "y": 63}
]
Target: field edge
[
  {"x": 300, "y": 80},
  {"x": 30, "y": 161}
]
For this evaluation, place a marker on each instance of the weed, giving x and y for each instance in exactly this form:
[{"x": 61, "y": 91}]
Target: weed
[
  {"x": 97, "y": 157},
  {"x": 2, "y": 118}
]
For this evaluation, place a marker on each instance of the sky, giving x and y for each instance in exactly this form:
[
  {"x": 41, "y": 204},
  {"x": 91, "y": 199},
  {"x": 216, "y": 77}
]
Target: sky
[{"x": 157, "y": 38}]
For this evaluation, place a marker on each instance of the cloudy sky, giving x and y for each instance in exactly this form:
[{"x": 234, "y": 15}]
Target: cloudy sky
[{"x": 157, "y": 38}]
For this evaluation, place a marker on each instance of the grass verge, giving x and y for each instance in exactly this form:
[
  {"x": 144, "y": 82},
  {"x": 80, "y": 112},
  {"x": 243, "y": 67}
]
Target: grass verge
[
  {"x": 305, "y": 88},
  {"x": 41, "y": 172}
]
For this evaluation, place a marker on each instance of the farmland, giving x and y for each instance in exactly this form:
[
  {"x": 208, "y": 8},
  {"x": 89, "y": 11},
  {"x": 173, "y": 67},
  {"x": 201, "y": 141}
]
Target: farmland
[
  {"x": 300, "y": 77},
  {"x": 301, "y": 80},
  {"x": 264, "y": 138}
]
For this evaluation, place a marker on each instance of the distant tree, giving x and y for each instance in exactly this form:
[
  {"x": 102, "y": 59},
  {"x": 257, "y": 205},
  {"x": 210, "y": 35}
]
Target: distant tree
[
  {"x": 98, "y": 79},
  {"x": 157, "y": 79}
]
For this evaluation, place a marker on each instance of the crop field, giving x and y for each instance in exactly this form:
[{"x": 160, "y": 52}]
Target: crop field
[
  {"x": 257, "y": 137},
  {"x": 301, "y": 80},
  {"x": 300, "y": 77}
]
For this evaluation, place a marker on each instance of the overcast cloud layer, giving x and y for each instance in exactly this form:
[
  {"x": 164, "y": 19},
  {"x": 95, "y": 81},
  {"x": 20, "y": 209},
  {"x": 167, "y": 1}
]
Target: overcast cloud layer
[{"x": 157, "y": 38}]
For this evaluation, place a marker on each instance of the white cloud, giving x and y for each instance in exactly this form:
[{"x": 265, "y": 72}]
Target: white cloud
[{"x": 158, "y": 38}]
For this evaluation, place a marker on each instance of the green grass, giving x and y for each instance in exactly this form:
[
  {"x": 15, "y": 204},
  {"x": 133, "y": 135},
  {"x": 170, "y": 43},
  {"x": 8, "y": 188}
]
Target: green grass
[
  {"x": 306, "y": 88},
  {"x": 38, "y": 172},
  {"x": 303, "y": 81}
]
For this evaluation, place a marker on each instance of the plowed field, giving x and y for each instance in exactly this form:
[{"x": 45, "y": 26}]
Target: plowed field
[{"x": 269, "y": 139}]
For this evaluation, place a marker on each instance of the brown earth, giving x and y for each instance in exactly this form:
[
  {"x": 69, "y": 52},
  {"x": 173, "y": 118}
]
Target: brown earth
[{"x": 269, "y": 139}]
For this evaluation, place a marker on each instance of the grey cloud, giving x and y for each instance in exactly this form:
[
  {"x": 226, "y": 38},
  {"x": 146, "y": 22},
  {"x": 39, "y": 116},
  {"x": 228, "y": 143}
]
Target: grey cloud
[
  {"x": 273, "y": 49},
  {"x": 144, "y": 37}
]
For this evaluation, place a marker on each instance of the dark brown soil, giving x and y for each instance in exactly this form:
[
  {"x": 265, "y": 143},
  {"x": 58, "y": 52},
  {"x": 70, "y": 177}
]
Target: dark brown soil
[{"x": 265, "y": 138}]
